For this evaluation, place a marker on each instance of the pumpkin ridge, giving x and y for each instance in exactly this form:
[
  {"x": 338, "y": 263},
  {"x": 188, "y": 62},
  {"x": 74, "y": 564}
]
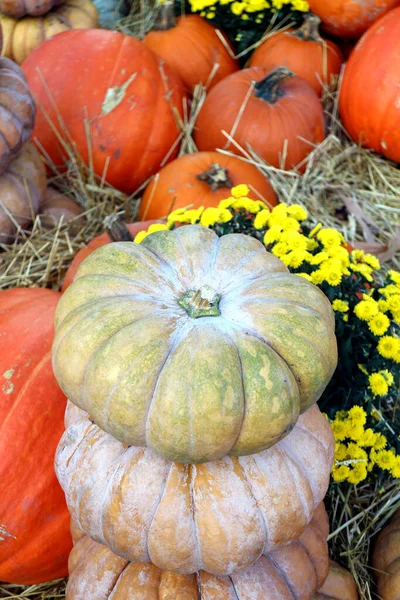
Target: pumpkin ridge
[
  {"x": 297, "y": 470},
  {"x": 241, "y": 263},
  {"x": 237, "y": 597},
  {"x": 164, "y": 487},
  {"x": 267, "y": 535},
  {"x": 284, "y": 577},
  {"x": 164, "y": 262},
  {"x": 192, "y": 471},
  {"x": 28, "y": 381},
  {"x": 106, "y": 341},
  {"x": 85, "y": 433},
  {"x": 243, "y": 389}
]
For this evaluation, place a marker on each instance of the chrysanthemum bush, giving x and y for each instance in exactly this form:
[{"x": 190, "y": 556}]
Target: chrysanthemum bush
[
  {"x": 361, "y": 401},
  {"x": 245, "y": 20}
]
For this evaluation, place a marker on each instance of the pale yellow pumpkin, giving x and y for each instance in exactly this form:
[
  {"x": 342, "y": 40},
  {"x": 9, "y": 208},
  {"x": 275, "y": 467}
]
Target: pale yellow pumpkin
[
  {"x": 21, "y": 36},
  {"x": 291, "y": 571},
  {"x": 193, "y": 345},
  {"x": 218, "y": 517}
]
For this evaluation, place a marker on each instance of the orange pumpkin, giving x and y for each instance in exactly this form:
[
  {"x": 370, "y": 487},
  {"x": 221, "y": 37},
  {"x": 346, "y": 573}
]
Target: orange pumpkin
[
  {"x": 304, "y": 52},
  {"x": 116, "y": 80},
  {"x": 339, "y": 585},
  {"x": 218, "y": 516},
  {"x": 97, "y": 242},
  {"x": 34, "y": 520},
  {"x": 192, "y": 48},
  {"x": 386, "y": 560},
  {"x": 275, "y": 113},
  {"x": 201, "y": 179},
  {"x": 350, "y": 18},
  {"x": 370, "y": 95},
  {"x": 290, "y": 571}
]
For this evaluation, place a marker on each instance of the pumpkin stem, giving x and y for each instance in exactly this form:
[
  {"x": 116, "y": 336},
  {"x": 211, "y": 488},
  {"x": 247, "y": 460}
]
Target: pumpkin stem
[
  {"x": 217, "y": 177},
  {"x": 201, "y": 303},
  {"x": 117, "y": 229},
  {"x": 166, "y": 17},
  {"x": 309, "y": 31},
  {"x": 270, "y": 88}
]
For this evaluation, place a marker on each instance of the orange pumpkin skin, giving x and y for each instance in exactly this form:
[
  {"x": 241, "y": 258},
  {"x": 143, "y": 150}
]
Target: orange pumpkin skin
[
  {"x": 290, "y": 571},
  {"x": 178, "y": 185},
  {"x": 369, "y": 96},
  {"x": 116, "y": 80},
  {"x": 191, "y": 47},
  {"x": 304, "y": 52},
  {"x": 97, "y": 242},
  {"x": 339, "y": 585},
  {"x": 34, "y": 521},
  {"x": 281, "y": 124},
  {"x": 350, "y": 18},
  {"x": 386, "y": 560}
]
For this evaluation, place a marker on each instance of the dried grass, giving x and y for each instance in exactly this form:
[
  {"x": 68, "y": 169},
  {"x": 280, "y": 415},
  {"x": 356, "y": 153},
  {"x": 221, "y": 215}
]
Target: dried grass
[{"x": 343, "y": 186}]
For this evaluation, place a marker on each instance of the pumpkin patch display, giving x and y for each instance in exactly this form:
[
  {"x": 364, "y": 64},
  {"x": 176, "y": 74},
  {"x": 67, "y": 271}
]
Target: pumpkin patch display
[
  {"x": 369, "y": 95},
  {"x": 191, "y": 47},
  {"x": 386, "y": 560},
  {"x": 116, "y": 79},
  {"x": 201, "y": 179},
  {"x": 275, "y": 113},
  {"x": 22, "y": 188},
  {"x": 339, "y": 585},
  {"x": 17, "y": 110},
  {"x": 219, "y": 516},
  {"x": 21, "y": 36},
  {"x": 256, "y": 344},
  {"x": 98, "y": 574},
  {"x": 350, "y": 18},
  {"x": 304, "y": 52},
  {"x": 34, "y": 520}
]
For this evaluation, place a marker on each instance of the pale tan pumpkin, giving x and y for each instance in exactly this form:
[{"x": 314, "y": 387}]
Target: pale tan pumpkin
[
  {"x": 386, "y": 560},
  {"x": 22, "y": 187},
  {"x": 298, "y": 569},
  {"x": 193, "y": 345},
  {"x": 56, "y": 207},
  {"x": 339, "y": 585},
  {"x": 21, "y": 36},
  {"x": 20, "y": 8},
  {"x": 218, "y": 516}
]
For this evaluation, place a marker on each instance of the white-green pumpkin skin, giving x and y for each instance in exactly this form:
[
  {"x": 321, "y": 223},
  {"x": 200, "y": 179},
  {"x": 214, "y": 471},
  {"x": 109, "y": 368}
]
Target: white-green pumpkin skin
[{"x": 194, "y": 345}]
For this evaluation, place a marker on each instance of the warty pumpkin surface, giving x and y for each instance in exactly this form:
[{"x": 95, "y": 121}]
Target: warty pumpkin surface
[
  {"x": 274, "y": 112},
  {"x": 218, "y": 516},
  {"x": 193, "y": 345},
  {"x": 116, "y": 79},
  {"x": 193, "y": 48},
  {"x": 370, "y": 95},
  {"x": 201, "y": 179},
  {"x": 350, "y": 18},
  {"x": 386, "y": 560},
  {"x": 339, "y": 585},
  {"x": 34, "y": 520},
  {"x": 98, "y": 574},
  {"x": 22, "y": 36},
  {"x": 17, "y": 110},
  {"x": 22, "y": 188},
  {"x": 304, "y": 52}
]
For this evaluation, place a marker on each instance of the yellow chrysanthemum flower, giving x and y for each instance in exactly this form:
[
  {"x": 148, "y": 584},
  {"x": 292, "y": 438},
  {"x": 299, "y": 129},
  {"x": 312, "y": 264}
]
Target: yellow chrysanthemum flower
[
  {"x": 394, "y": 276},
  {"x": 395, "y": 470},
  {"x": 340, "y": 305},
  {"x": 394, "y": 302},
  {"x": 280, "y": 249},
  {"x": 379, "y": 324},
  {"x": 357, "y": 415},
  {"x": 305, "y": 276},
  {"x": 211, "y": 215},
  {"x": 388, "y": 346},
  {"x": 378, "y": 384},
  {"x": 385, "y": 459},
  {"x": 297, "y": 212},
  {"x": 261, "y": 218},
  {"x": 273, "y": 235},
  {"x": 294, "y": 240},
  {"x": 241, "y": 190},
  {"x": 143, "y": 234},
  {"x": 358, "y": 473},
  {"x": 340, "y": 430},
  {"x": 372, "y": 261},
  {"x": 330, "y": 237},
  {"x": 340, "y": 474},
  {"x": 365, "y": 310},
  {"x": 380, "y": 441}
]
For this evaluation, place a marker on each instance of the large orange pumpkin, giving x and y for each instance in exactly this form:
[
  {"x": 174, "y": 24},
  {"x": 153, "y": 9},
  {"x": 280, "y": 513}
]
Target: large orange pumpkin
[
  {"x": 350, "y": 18},
  {"x": 219, "y": 516},
  {"x": 97, "y": 242},
  {"x": 370, "y": 95},
  {"x": 275, "y": 113},
  {"x": 386, "y": 560},
  {"x": 129, "y": 100},
  {"x": 304, "y": 52},
  {"x": 293, "y": 571},
  {"x": 34, "y": 521},
  {"x": 201, "y": 179},
  {"x": 191, "y": 47}
]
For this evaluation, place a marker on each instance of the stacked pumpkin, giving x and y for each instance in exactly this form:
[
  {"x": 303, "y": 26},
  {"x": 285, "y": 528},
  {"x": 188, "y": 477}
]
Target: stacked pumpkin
[{"x": 194, "y": 452}]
